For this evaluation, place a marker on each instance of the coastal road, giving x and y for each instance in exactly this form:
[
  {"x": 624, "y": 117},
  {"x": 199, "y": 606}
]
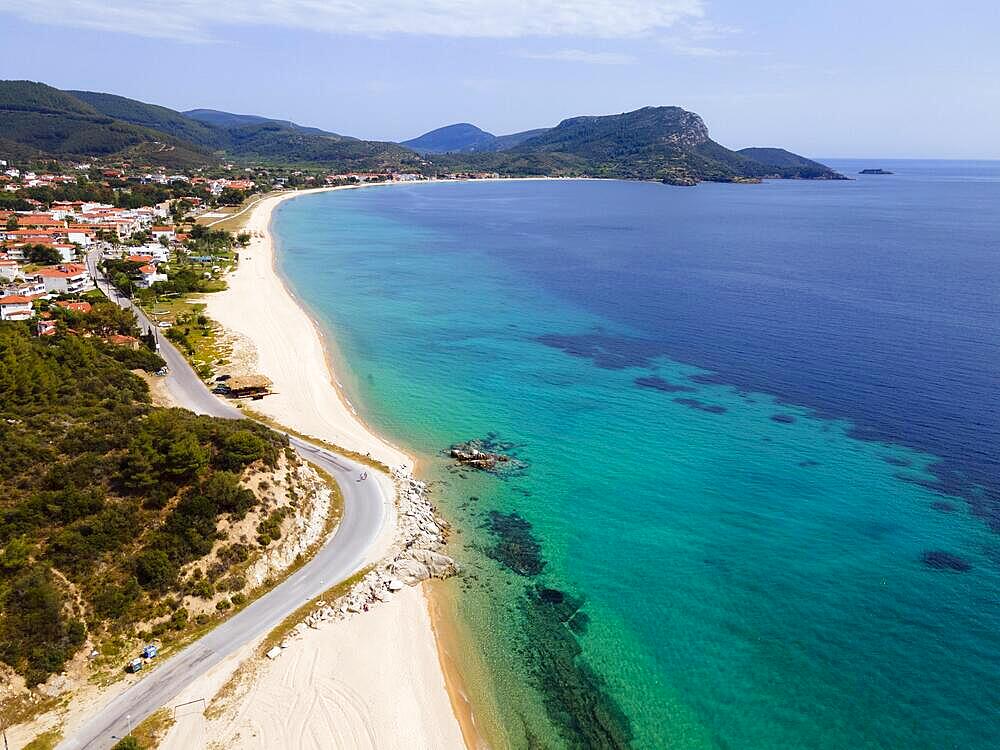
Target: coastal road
[{"x": 340, "y": 557}]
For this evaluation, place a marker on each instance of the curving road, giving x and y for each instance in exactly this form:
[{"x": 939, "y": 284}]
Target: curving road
[{"x": 341, "y": 556}]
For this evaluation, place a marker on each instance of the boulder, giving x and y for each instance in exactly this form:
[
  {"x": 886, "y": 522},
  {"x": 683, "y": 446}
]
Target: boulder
[{"x": 420, "y": 564}]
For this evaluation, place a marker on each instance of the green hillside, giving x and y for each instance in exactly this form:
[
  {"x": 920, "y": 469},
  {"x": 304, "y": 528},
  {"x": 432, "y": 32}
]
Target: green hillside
[
  {"x": 654, "y": 143},
  {"x": 219, "y": 119},
  {"x": 44, "y": 121},
  {"x": 465, "y": 137},
  {"x": 786, "y": 163},
  {"x": 103, "y": 497},
  {"x": 272, "y": 142},
  {"x": 152, "y": 116}
]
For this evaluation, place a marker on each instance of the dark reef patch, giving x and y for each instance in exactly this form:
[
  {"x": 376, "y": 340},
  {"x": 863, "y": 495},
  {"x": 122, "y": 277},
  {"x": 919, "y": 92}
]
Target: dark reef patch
[
  {"x": 656, "y": 383},
  {"x": 575, "y": 697},
  {"x": 944, "y": 506},
  {"x": 808, "y": 463},
  {"x": 604, "y": 350},
  {"x": 896, "y": 461},
  {"x": 940, "y": 560},
  {"x": 693, "y": 403},
  {"x": 516, "y": 547},
  {"x": 783, "y": 418}
]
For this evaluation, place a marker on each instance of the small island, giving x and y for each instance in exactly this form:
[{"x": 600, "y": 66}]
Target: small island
[{"x": 875, "y": 171}]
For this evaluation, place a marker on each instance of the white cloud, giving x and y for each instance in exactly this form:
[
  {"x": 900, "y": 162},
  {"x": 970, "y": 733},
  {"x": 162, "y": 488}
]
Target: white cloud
[
  {"x": 199, "y": 20},
  {"x": 695, "y": 39},
  {"x": 581, "y": 56}
]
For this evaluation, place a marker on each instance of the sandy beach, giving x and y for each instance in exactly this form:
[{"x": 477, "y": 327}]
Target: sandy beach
[{"x": 374, "y": 680}]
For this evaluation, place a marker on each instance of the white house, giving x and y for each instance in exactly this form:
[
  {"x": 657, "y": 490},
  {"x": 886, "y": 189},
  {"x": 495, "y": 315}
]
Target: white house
[
  {"x": 14, "y": 307},
  {"x": 32, "y": 287},
  {"x": 162, "y": 231},
  {"x": 79, "y": 237},
  {"x": 155, "y": 251},
  {"x": 148, "y": 276},
  {"x": 66, "y": 278},
  {"x": 66, "y": 250},
  {"x": 10, "y": 269}
]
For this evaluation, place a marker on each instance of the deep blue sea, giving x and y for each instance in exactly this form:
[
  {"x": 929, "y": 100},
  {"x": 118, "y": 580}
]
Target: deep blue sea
[{"x": 756, "y": 495}]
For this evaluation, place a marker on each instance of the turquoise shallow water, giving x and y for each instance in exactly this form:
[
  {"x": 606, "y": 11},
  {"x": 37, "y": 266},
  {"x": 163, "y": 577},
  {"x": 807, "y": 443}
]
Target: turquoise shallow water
[{"x": 754, "y": 574}]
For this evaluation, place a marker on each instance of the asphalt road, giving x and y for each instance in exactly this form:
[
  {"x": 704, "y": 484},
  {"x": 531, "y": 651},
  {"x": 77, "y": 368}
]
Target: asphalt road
[{"x": 340, "y": 557}]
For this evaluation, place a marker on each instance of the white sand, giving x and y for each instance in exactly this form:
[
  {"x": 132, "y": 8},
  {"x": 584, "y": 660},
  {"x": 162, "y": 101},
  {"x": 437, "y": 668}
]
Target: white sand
[
  {"x": 369, "y": 682},
  {"x": 289, "y": 347},
  {"x": 376, "y": 679}
]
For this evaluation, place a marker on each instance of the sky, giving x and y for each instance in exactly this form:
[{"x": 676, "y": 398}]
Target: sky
[{"x": 825, "y": 78}]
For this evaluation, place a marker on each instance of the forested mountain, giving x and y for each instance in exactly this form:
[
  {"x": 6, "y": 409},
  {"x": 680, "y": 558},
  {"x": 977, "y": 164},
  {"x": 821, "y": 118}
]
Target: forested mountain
[
  {"x": 653, "y": 143},
  {"x": 152, "y": 116},
  {"x": 255, "y": 138},
  {"x": 786, "y": 162},
  {"x": 39, "y": 120},
  {"x": 465, "y": 137},
  {"x": 221, "y": 119}
]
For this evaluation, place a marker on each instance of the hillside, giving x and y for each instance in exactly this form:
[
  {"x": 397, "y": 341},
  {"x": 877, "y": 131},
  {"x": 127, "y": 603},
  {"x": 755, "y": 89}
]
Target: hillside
[
  {"x": 460, "y": 137},
  {"x": 46, "y": 121},
  {"x": 504, "y": 142},
  {"x": 151, "y": 116},
  {"x": 257, "y": 139},
  {"x": 225, "y": 120},
  {"x": 786, "y": 163},
  {"x": 109, "y": 505},
  {"x": 465, "y": 137},
  {"x": 662, "y": 143},
  {"x": 654, "y": 143}
]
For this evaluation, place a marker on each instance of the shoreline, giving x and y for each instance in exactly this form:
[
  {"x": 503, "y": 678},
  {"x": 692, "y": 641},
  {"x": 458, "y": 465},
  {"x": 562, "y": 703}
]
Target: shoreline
[{"x": 311, "y": 399}]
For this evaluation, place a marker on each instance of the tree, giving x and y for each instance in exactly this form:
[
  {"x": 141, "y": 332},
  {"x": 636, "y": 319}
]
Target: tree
[
  {"x": 154, "y": 570},
  {"x": 232, "y": 197},
  {"x": 12, "y": 222},
  {"x": 127, "y": 743},
  {"x": 243, "y": 239},
  {"x": 43, "y": 255}
]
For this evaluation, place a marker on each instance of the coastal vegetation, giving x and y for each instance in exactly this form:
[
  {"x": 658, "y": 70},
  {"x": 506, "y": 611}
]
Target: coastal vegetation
[{"x": 104, "y": 498}]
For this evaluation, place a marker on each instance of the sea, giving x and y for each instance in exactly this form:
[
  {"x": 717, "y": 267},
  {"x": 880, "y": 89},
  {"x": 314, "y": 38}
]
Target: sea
[{"x": 753, "y": 490}]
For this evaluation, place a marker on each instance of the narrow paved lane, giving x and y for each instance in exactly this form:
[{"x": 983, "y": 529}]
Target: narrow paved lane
[{"x": 341, "y": 556}]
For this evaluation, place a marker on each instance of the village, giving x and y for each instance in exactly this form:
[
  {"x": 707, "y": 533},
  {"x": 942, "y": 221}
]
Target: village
[{"x": 45, "y": 245}]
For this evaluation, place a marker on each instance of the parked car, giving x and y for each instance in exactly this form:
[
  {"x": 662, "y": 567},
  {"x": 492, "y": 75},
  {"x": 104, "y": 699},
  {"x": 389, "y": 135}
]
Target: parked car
[
  {"x": 162, "y": 372},
  {"x": 134, "y": 666},
  {"x": 150, "y": 651}
]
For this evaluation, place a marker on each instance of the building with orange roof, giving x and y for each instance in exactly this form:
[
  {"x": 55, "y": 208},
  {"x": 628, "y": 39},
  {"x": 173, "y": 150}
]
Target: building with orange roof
[
  {"x": 66, "y": 278},
  {"x": 80, "y": 307},
  {"x": 15, "y": 307}
]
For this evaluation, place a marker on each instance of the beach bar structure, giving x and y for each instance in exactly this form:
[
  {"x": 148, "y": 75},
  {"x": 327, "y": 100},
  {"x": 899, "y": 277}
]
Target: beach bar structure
[{"x": 241, "y": 386}]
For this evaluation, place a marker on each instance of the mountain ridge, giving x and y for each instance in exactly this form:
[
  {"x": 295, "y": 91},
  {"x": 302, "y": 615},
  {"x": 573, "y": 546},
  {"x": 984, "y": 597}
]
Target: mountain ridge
[
  {"x": 464, "y": 137},
  {"x": 668, "y": 144}
]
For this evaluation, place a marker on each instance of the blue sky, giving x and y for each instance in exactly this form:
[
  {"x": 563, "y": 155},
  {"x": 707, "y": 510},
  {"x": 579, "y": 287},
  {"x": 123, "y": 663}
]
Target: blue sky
[{"x": 827, "y": 79}]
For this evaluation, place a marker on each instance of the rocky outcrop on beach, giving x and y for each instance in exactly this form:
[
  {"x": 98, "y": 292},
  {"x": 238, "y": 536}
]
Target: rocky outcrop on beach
[{"x": 415, "y": 557}]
